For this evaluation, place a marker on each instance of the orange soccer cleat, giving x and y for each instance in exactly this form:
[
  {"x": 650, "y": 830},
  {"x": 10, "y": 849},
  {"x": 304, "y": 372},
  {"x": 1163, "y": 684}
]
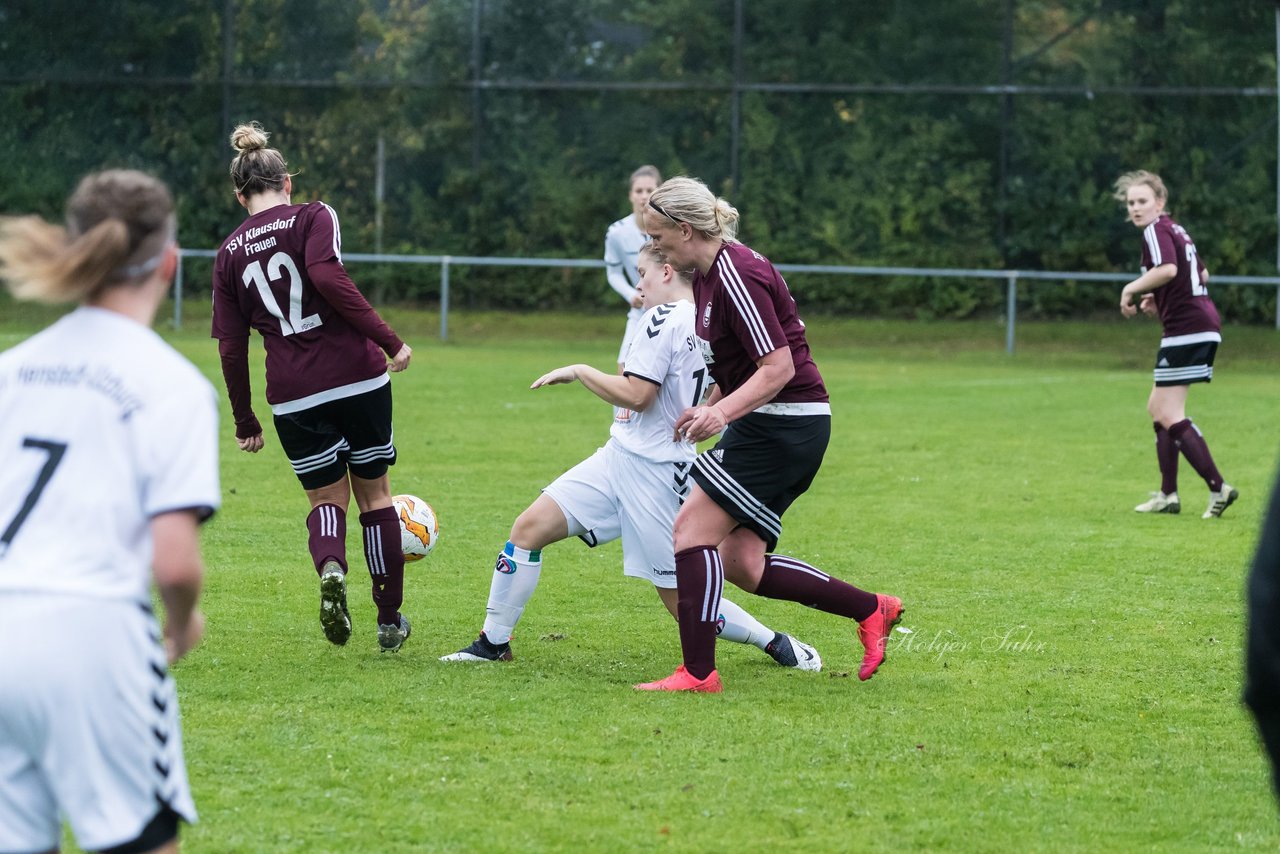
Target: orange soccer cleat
[
  {"x": 874, "y": 633},
  {"x": 683, "y": 680}
]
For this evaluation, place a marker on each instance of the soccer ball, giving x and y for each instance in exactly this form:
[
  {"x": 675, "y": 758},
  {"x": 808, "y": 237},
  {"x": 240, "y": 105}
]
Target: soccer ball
[{"x": 419, "y": 529}]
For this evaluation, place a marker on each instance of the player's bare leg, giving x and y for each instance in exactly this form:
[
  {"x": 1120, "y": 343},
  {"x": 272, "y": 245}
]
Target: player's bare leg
[{"x": 515, "y": 577}]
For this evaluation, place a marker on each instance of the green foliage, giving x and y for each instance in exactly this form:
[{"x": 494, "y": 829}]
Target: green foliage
[{"x": 534, "y": 162}]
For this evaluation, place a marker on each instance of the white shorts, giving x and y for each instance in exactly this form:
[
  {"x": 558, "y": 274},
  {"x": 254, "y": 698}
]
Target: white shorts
[
  {"x": 614, "y": 493},
  {"x": 633, "y": 323},
  {"x": 88, "y": 723}
]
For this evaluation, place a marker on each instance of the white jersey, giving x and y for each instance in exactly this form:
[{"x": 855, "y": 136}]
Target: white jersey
[
  {"x": 622, "y": 244},
  {"x": 663, "y": 351},
  {"x": 104, "y": 426}
]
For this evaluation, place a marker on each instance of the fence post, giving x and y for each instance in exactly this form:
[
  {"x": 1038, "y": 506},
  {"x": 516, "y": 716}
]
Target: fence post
[
  {"x": 1011, "y": 310},
  {"x": 444, "y": 298},
  {"x": 177, "y": 294}
]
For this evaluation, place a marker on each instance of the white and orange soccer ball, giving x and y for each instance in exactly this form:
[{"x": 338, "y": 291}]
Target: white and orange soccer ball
[{"x": 419, "y": 528}]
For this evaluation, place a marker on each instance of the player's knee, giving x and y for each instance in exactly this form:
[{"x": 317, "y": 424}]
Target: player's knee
[
  {"x": 682, "y": 537},
  {"x": 688, "y": 531},
  {"x": 532, "y": 529},
  {"x": 1165, "y": 416}
]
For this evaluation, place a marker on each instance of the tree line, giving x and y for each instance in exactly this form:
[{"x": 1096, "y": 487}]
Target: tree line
[{"x": 966, "y": 133}]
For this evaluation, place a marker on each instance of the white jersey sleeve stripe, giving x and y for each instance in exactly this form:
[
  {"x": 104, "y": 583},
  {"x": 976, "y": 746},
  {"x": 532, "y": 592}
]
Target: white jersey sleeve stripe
[
  {"x": 746, "y": 308},
  {"x": 337, "y": 233},
  {"x": 1153, "y": 245}
]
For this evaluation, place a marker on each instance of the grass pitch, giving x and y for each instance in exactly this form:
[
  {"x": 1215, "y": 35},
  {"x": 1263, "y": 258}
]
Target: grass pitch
[{"x": 1070, "y": 680}]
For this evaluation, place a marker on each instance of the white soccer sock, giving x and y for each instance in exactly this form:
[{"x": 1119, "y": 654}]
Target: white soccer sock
[
  {"x": 741, "y": 627},
  {"x": 515, "y": 577}
]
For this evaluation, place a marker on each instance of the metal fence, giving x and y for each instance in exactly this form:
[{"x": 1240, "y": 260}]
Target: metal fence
[{"x": 1010, "y": 277}]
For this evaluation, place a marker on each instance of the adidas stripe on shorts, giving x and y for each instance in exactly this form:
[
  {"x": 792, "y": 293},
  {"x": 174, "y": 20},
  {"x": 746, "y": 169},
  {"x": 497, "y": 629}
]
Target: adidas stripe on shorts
[
  {"x": 1186, "y": 359},
  {"x": 348, "y": 433},
  {"x": 761, "y": 465}
]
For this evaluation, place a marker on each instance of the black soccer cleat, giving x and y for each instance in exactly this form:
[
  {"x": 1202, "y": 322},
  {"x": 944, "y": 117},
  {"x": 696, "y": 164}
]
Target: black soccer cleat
[
  {"x": 392, "y": 637},
  {"x": 790, "y": 652},
  {"x": 481, "y": 650}
]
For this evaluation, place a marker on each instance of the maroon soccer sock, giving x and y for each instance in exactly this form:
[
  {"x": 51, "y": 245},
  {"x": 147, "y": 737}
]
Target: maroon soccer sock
[
  {"x": 382, "y": 552},
  {"x": 699, "y": 582},
  {"x": 795, "y": 581},
  {"x": 1191, "y": 442},
  {"x": 327, "y": 535},
  {"x": 1167, "y": 456}
]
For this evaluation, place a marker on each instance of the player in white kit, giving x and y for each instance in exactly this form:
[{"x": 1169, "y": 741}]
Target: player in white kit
[
  {"x": 108, "y": 464},
  {"x": 633, "y": 486},
  {"x": 622, "y": 244}
]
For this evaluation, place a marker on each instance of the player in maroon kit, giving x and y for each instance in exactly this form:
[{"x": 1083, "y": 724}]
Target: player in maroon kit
[
  {"x": 1174, "y": 286},
  {"x": 280, "y": 272},
  {"x": 771, "y": 404}
]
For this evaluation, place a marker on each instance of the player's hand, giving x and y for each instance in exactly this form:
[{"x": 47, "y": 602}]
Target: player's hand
[
  {"x": 637, "y": 301},
  {"x": 253, "y": 444},
  {"x": 1148, "y": 305},
  {"x": 178, "y": 641},
  {"x": 698, "y": 423},
  {"x": 559, "y": 376},
  {"x": 1127, "y": 308},
  {"x": 401, "y": 359}
]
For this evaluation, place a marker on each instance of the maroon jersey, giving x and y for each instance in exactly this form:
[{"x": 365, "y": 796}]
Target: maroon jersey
[
  {"x": 1183, "y": 302},
  {"x": 745, "y": 311},
  {"x": 281, "y": 273}
]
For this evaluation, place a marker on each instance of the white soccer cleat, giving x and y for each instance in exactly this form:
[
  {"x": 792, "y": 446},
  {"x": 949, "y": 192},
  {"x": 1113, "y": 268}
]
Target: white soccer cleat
[
  {"x": 790, "y": 652},
  {"x": 1219, "y": 501},
  {"x": 1161, "y": 503}
]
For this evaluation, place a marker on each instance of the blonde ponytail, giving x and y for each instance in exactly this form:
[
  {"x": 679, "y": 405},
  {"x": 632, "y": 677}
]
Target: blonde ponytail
[
  {"x": 688, "y": 200},
  {"x": 117, "y": 223}
]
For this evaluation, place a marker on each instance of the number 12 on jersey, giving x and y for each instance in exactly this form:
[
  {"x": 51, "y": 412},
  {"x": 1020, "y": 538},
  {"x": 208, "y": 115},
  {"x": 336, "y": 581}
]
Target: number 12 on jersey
[
  {"x": 1197, "y": 287},
  {"x": 277, "y": 265}
]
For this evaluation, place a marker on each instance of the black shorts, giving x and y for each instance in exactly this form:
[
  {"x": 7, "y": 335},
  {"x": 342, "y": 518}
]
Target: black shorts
[
  {"x": 354, "y": 433},
  {"x": 762, "y": 464},
  {"x": 1183, "y": 362}
]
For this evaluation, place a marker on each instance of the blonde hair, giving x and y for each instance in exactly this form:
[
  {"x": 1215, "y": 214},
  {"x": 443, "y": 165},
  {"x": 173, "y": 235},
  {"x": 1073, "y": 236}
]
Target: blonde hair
[
  {"x": 1140, "y": 176},
  {"x": 645, "y": 171},
  {"x": 685, "y": 199},
  {"x": 118, "y": 225},
  {"x": 256, "y": 168}
]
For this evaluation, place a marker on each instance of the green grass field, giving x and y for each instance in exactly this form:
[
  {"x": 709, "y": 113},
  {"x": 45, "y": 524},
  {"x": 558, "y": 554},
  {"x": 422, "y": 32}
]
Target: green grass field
[{"x": 1070, "y": 681}]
